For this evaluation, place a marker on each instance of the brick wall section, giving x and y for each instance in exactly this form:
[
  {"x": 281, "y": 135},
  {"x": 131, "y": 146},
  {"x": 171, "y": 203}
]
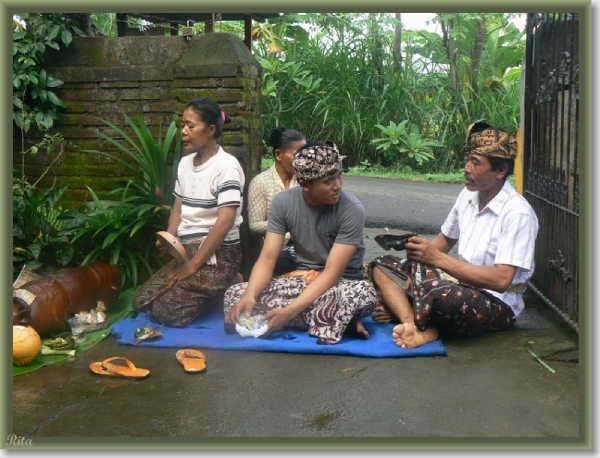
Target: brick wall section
[{"x": 152, "y": 77}]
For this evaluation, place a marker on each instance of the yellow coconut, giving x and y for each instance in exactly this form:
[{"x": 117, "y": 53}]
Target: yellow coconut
[{"x": 26, "y": 345}]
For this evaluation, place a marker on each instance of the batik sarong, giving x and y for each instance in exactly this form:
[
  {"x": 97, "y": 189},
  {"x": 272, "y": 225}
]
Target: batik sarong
[
  {"x": 195, "y": 296},
  {"x": 453, "y": 308},
  {"x": 327, "y": 318}
]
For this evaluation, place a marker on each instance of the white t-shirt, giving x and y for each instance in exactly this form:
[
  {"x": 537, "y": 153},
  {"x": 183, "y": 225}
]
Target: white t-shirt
[
  {"x": 503, "y": 232},
  {"x": 219, "y": 182}
]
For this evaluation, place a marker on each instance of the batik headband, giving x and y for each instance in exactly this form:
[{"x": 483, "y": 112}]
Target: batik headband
[
  {"x": 491, "y": 142},
  {"x": 317, "y": 162}
]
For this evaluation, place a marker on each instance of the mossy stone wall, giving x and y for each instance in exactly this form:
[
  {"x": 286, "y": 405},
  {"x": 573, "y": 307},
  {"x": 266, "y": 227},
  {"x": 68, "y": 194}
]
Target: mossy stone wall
[{"x": 152, "y": 77}]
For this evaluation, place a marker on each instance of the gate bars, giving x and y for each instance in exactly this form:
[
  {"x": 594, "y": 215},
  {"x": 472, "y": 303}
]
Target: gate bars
[{"x": 550, "y": 154}]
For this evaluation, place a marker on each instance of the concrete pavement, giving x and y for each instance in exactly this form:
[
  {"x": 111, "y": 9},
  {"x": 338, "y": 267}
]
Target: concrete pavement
[{"x": 487, "y": 389}]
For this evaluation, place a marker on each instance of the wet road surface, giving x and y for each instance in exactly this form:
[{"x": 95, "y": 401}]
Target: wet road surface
[{"x": 489, "y": 387}]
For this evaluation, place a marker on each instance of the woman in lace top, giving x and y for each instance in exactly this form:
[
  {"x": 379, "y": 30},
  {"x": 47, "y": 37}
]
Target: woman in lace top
[{"x": 263, "y": 188}]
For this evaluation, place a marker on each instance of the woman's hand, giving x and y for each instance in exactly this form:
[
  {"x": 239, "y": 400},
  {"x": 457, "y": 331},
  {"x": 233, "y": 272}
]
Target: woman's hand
[
  {"x": 276, "y": 318},
  {"x": 182, "y": 272},
  {"x": 162, "y": 246}
]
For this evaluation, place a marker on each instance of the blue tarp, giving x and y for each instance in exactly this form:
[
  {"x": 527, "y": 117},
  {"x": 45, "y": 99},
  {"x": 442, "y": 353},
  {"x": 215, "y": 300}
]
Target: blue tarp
[{"x": 208, "y": 333}]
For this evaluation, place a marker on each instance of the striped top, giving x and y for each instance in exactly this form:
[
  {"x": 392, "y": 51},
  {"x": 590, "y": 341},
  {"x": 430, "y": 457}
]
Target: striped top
[
  {"x": 503, "y": 232},
  {"x": 203, "y": 190}
]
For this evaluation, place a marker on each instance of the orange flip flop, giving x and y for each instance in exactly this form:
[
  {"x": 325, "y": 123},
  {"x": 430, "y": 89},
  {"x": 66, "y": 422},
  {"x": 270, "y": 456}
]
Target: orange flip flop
[
  {"x": 193, "y": 361},
  {"x": 117, "y": 370}
]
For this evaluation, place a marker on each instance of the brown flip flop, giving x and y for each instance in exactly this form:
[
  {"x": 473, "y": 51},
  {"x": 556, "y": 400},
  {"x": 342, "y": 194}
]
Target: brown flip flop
[
  {"x": 116, "y": 370},
  {"x": 193, "y": 361}
]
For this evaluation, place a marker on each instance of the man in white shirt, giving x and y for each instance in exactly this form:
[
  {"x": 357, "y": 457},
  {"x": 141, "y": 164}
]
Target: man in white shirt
[{"x": 495, "y": 228}]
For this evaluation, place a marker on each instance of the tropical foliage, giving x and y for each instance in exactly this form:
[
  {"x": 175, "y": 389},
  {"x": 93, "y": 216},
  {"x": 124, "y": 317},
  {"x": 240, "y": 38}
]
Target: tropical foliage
[
  {"x": 34, "y": 100},
  {"x": 118, "y": 232},
  {"x": 402, "y": 145},
  {"x": 277, "y": 77},
  {"x": 123, "y": 231},
  {"x": 391, "y": 98},
  {"x": 440, "y": 84},
  {"x": 147, "y": 158},
  {"x": 38, "y": 237}
]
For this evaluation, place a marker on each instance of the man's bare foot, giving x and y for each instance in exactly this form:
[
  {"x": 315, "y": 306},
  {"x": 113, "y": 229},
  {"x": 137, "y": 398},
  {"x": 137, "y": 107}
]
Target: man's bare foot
[
  {"x": 408, "y": 336},
  {"x": 383, "y": 314},
  {"x": 356, "y": 328}
]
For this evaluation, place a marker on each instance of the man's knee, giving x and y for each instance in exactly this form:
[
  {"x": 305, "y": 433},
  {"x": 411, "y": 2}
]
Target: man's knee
[
  {"x": 234, "y": 294},
  {"x": 378, "y": 276},
  {"x": 382, "y": 281}
]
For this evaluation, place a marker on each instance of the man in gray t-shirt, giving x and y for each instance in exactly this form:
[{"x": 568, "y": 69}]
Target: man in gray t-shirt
[
  {"x": 315, "y": 229},
  {"x": 328, "y": 294}
]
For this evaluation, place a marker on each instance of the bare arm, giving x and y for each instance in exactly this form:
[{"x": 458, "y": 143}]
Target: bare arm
[
  {"x": 175, "y": 218},
  {"x": 260, "y": 276},
  {"x": 212, "y": 242},
  {"x": 497, "y": 277},
  {"x": 174, "y": 221},
  {"x": 337, "y": 261}
]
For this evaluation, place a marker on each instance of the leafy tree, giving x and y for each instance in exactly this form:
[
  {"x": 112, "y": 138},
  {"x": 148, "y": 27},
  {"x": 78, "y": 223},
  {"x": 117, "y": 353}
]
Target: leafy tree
[
  {"x": 398, "y": 42},
  {"x": 34, "y": 100},
  {"x": 105, "y": 23},
  {"x": 279, "y": 79},
  {"x": 478, "y": 43}
]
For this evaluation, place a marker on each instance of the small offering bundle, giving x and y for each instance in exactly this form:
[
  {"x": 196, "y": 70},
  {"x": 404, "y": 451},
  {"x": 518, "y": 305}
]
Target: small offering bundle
[
  {"x": 60, "y": 346},
  {"x": 253, "y": 326},
  {"x": 94, "y": 316},
  {"x": 141, "y": 334}
]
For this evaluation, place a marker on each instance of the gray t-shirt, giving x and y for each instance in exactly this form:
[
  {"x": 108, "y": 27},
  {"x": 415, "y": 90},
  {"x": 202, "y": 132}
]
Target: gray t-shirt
[{"x": 314, "y": 230}]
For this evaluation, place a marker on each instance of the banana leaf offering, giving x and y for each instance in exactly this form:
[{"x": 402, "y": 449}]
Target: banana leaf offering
[{"x": 60, "y": 346}]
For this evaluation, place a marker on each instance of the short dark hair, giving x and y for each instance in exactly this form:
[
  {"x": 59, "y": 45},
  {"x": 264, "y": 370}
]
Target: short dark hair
[
  {"x": 498, "y": 162},
  {"x": 281, "y": 137},
  {"x": 313, "y": 143},
  {"x": 210, "y": 112}
]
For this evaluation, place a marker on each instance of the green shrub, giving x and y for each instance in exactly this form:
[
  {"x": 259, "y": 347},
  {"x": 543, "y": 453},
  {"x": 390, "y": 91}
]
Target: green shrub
[
  {"x": 39, "y": 238},
  {"x": 402, "y": 146},
  {"x": 120, "y": 232},
  {"x": 148, "y": 156}
]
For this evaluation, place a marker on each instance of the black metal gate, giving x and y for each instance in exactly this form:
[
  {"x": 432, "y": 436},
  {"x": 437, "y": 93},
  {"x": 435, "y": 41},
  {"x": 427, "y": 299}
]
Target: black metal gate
[{"x": 550, "y": 153}]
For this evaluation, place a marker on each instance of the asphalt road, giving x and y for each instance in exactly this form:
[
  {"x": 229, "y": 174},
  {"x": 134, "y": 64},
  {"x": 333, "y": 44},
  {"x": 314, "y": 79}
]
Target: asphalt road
[{"x": 409, "y": 205}]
